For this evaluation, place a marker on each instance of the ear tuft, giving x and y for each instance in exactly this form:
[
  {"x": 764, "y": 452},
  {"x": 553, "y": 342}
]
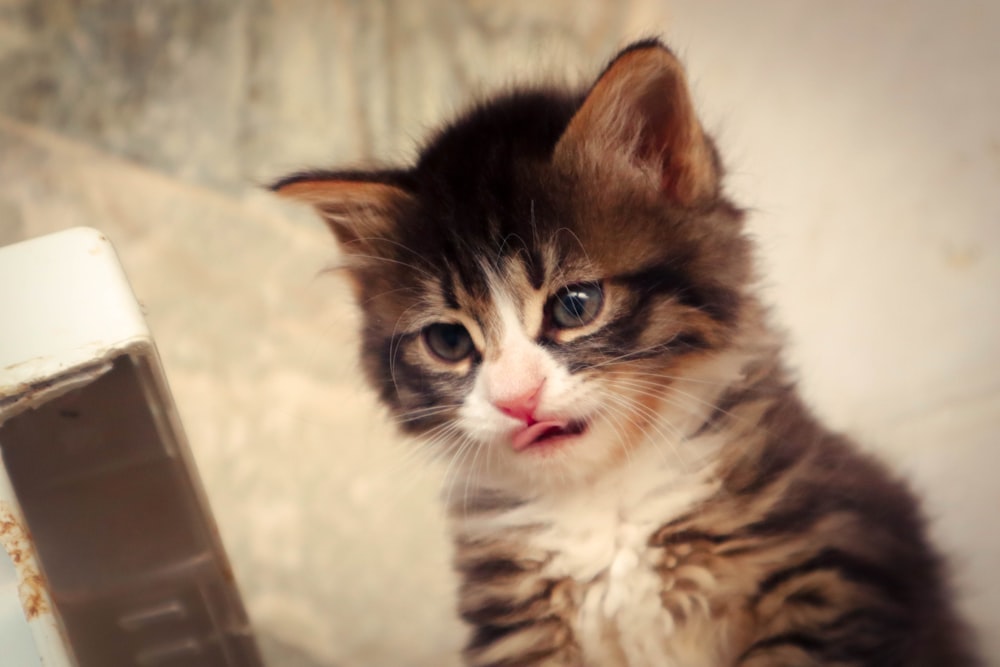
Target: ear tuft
[
  {"x": 356, "y": 206},
  {"x": 641, "y": 107}
]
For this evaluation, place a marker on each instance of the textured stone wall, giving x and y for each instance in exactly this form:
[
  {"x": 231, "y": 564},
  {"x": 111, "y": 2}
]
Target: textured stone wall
[{"x": 225, "y": 93}]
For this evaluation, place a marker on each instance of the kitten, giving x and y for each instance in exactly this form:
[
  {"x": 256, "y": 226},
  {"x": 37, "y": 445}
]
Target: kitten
[{"x": 558, "y": 297}]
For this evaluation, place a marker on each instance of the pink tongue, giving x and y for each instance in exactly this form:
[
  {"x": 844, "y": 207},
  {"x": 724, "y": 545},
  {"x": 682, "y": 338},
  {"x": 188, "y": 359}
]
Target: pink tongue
[{"x": 526, "y": 437}]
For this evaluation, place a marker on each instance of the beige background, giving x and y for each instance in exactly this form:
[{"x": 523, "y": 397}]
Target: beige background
[{"x": 864, "y": 134}]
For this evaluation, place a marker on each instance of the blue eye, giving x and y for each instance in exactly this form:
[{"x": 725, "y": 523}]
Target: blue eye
[
  {"x": 576, "y": 305},
  {"x": 451, "y": 342}
]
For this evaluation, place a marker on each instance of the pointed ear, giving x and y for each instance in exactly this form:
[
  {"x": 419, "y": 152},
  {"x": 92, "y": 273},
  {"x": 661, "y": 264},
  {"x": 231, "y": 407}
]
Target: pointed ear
[
  {"x": 357, "y": 206},
  {"x": 640, "y": 108}
]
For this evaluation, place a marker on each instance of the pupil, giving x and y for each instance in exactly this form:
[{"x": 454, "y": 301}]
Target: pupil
[
  {"x": 575, "y": 304},
  {"x": 450, "y": 337}
]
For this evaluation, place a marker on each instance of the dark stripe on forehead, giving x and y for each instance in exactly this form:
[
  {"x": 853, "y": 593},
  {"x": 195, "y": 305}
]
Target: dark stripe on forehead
[
  {"x": 448, "y": 289},
  {"x": 464, "y": 259},
  {"x": 535, "y": 266}
]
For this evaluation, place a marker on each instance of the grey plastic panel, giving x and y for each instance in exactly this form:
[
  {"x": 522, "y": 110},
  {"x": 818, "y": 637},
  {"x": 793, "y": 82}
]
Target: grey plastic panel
[{"x": 134, "y": 566}]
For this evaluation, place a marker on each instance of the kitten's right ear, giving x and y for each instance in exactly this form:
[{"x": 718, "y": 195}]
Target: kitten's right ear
[
  {"x": 356, "y": 206},
  {"x": 640, "y": 109}
]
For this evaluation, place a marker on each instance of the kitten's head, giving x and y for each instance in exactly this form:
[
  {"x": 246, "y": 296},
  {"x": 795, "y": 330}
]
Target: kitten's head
[{"x": 538, "y": 286}]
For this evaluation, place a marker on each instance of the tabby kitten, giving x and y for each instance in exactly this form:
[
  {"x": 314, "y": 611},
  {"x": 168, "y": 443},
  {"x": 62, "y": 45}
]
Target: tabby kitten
[{"x": 558, "y": 297}]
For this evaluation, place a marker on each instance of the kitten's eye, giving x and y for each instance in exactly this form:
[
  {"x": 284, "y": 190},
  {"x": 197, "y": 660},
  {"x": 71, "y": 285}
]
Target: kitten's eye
[
  {"x": 450, "y": 342},
  {"x": 576, "y": 305}
]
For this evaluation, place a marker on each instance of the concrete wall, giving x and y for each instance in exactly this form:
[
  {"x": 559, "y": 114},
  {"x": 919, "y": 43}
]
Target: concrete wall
[{"x": 864, "y": 135}]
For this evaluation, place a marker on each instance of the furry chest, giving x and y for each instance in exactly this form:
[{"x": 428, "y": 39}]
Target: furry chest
[
  {"x": 633, "y": 604},
  {"x": 576, "y": 574}
]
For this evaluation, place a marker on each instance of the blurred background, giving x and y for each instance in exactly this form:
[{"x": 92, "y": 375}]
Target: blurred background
[{"x": 864, "y": 135}]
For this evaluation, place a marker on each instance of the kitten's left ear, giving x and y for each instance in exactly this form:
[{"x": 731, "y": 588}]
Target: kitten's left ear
[
  {"x": 640, "y": 108},
  {"x": 357, "y": 206}
]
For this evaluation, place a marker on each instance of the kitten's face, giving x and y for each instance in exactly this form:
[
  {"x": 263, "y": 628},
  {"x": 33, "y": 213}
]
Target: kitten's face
[{"x": 536, "y": 285}]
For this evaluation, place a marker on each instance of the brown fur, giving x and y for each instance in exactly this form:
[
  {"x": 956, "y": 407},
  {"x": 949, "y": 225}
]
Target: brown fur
[{"x": 786, "y": 545}]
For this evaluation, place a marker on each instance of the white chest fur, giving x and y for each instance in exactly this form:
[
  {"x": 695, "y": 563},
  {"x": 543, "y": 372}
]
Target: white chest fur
[{"x": 598, "y": 537}]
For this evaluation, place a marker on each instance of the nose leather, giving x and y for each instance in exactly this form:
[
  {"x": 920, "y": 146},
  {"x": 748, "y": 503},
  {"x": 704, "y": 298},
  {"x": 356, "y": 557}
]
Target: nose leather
[{"x": 521, "y": 406}]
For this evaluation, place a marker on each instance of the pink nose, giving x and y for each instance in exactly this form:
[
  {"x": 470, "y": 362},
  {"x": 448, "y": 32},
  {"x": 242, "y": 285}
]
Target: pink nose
[{"x": 521, "y": 406}]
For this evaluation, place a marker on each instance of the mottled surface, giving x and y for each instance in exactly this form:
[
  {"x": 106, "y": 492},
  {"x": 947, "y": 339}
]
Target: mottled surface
[{"x": 865, "y": 138}]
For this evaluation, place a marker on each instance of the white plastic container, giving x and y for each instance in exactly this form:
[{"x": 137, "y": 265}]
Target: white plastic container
[{"x": 116, "y": 557}]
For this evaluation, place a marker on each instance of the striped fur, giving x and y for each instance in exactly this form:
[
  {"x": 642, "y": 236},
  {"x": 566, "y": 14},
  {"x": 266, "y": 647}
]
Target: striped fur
[{"x": 693, "y": 513}]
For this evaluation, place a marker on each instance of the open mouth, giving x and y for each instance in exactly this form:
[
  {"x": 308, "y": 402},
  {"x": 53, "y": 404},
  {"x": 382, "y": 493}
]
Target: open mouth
[{"x": 546, "y": 434}]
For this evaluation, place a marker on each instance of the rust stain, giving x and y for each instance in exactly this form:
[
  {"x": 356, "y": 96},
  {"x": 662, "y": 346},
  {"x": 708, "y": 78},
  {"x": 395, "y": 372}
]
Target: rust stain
[
  {"x": 227, "y": 571},
  {"x": 962, "y": 256},
  {"x": 16, "y": 541}
]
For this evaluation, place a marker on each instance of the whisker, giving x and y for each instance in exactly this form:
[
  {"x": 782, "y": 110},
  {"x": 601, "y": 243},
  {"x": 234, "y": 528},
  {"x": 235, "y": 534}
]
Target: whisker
[
  {"x": 620, "y": 437},
  {"x": 416, "y": 414},
  {"x": 667, "y": 393},
  {"x": 389, "y": 260},
  {"x": 679, "y": 378},
  {"x": 466, "y": 444},
  {"x": 425, "y": 446},
  {"x": 578, "y": 241},
  {"x": 654, "y": 420},
  {"x": 395, "y": 345},
  {"x": 630, "y": 355},
  {"x": 468, "y": 478},
  {"x": 390, "y": 291}
]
